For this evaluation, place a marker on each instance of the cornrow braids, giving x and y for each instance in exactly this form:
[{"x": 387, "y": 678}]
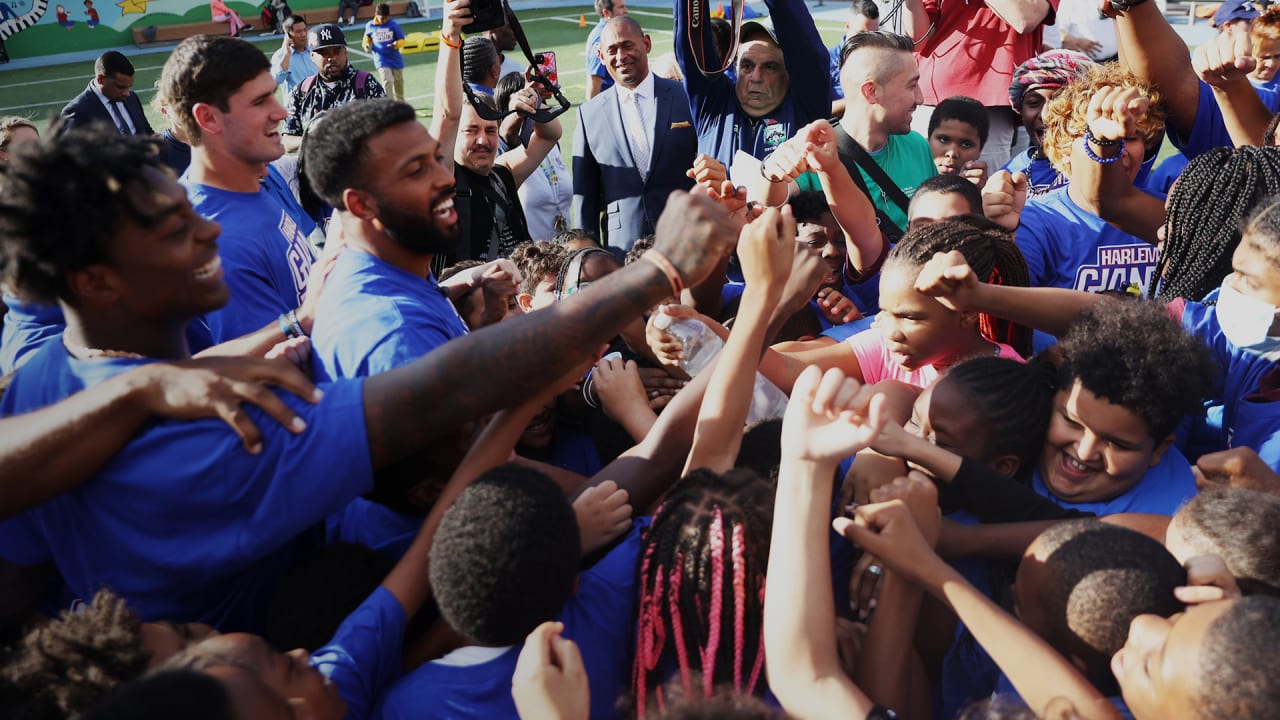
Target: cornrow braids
[
  {"x": 40, "y": 242},
  {"x": 1206, "y": 212},
  {"x": 1014, "y": 401},
  {"x": 701, "y": 583},
  {"x": 988, "y": 249},
  {"x": 80, "y": 657}
]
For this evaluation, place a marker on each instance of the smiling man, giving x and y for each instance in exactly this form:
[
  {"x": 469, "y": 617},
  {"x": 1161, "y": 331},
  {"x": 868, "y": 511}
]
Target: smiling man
[
  {"x": 780, "y": 87},
  {"x": 634, "y": 144},
  {"x": 335, "y": 82},
  {"x": 223, "y": 97}
]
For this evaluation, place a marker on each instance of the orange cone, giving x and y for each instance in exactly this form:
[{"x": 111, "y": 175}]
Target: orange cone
[
  {"x": 582, "y": 21},
  {"x": 719, "y": 10}
]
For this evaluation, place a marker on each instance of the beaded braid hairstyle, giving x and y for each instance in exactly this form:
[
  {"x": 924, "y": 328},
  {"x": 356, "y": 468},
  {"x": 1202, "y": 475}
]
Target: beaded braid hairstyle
[
  {"x": 988, "y": 249},
  {"x": 701, "y": 581},
  {"x": 1206, "y": 210}
]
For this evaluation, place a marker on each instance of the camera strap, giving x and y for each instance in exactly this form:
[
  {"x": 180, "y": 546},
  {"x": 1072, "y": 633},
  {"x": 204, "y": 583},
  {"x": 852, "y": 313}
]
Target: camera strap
[
  {"x": 699, "y": 21},
  {"x": 543, "y": 114}
]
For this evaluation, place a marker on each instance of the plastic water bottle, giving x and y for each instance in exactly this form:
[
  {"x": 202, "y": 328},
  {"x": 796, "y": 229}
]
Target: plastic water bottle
[{"x": 702, "y": 345}]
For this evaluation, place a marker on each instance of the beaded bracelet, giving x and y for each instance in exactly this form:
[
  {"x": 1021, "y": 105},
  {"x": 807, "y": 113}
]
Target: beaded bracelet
[
  {"x": 1101, "y": 160},
  {"x": 668, "y": 269},
  {"x": 1090, "y": 137}
]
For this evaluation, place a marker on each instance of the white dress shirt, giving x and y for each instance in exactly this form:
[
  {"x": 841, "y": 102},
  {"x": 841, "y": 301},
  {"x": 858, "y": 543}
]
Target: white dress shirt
[{"x": 646, "y": 104}]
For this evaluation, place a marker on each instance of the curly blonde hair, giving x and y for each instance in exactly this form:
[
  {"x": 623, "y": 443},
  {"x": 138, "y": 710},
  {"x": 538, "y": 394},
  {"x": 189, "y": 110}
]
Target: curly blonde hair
[{"x": 1065, "y": 116}]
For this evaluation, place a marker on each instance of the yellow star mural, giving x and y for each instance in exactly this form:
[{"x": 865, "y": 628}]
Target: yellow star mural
[{"x": 132, "y": 6}]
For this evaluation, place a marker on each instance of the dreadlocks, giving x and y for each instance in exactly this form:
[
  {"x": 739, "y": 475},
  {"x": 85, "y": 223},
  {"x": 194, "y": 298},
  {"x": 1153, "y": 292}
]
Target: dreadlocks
[
  {"x": 989, "y": 250},
  {"x": 1206, "y": 211},
  {"x": 701, "y": 583}
]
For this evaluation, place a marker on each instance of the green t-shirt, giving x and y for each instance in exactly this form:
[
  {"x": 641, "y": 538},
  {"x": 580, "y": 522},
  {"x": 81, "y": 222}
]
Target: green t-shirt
[{"x": 906, "y": 159}]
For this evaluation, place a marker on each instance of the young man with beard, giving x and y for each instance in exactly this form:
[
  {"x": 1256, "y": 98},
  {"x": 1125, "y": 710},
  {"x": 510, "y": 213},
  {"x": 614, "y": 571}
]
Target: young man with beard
[
  {"x": 184, "y": 522},
  {"x": 335, "y": 83},
  {"x": 222, "y": 96}
]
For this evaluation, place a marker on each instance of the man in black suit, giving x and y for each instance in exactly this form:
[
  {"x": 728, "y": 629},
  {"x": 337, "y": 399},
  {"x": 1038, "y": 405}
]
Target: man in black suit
[
  {"x": 635, "y": 142},
  {"x": 109, "y": 98}
]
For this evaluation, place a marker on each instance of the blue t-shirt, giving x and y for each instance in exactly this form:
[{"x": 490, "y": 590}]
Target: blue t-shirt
[
  {"x": 1067, "y": 247},
  {"x": 599, "y": 618},
  {"x": 374, "y": 316},
  {"x": 1245, "y": 422},
  {"x": 595, "y": 66},
  {"x": 723, "y": 127},
  {"x": 373, "y": 525},
  {"x": 1042, "y": 176},
  {"x": 383, "y": 38},
  {"x": 363, "y": 658},
  {"x": 266, "y": 258},
  {"x": 1161, "y": 491},
  {"x": 837, "y": 92},
  {"x": 1210, "y": 131},
  {"x": 183, "y": 522},
  {"x": 27, "y": 327}
]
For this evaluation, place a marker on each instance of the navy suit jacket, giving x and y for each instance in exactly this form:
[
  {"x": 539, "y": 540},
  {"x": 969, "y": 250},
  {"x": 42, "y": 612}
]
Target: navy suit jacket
[
  {"x": 87, "y": 108},
  {"x": 611, "y": 200}
]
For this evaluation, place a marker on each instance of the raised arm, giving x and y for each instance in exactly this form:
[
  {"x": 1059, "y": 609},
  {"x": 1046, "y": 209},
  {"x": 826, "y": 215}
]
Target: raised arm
[
  {"x": 407, "y": 408},
  {"x": 98, "y": 422},
  {"x": 864, "y": 243},
  {"x": 828, "y": 418},
  {"x": 523, "y": 161},
  {"x": 917, "y": 20},
  {"x": 766, "y": 248},
  {"x": 446, "y": 111},
  {"x": 1224, "y": 63},
  {"x": 1112, "y": 116},
  {"x": 804, "y": 55},
  {"x": 1155, "y": 53}
]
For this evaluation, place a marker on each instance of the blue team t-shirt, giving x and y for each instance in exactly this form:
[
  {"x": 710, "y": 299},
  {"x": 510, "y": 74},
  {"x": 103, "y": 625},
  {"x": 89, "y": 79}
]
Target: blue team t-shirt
[
  {"x": 1210, "y": 130},
  {"x": 1042, "y": 176},
  {"x": 363, "y": 658},
  {"x": 383, "y": 41},
  {"x": 1067, "y": 247},
  {"x": 183, "y": 522},
  {"x": 27, "y": 327},
  {"x": 266, "y": 258},
  {"x": 599, "y": 618},
  {"x": 1161, "y": 491},
  {"x": 595, "y": 66},
  {"x": 374, "y": 316}
]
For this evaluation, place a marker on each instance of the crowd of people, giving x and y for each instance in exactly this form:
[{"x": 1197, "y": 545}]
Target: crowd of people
[{"x": 761, "y": 403}]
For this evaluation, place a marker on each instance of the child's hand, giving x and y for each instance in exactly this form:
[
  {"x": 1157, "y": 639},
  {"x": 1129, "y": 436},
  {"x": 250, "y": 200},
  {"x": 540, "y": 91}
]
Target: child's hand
[
  {"x": 766, "y": 248},
  {"x": 603, "y": 515},
  {"x": 889, "y": 532},
  {"x": 787, "y": 162},
  {"x": 1003, "y": 198},
  {"x": 850, "y": 637},
  {"x": 830, "y": 416},
  {"x": 549, "y": 680},
  {"x": 808, "y": 271},
  {"x": 975, "y": 171},
  {"x": 1113, "y": 112},
  {"x": 1236, "y": 468},
  {"x": 1226, "y": 58},
  {"x": 708, "y": 171},
  {"x": 617, "y": 384},
  {"x": 921, "y": 497},
  {"x": 837, "y": 308},
  {"x": 1208, "y": 580},
  {"x": 666, "y": 347},
  {"x": 660, "y": 386},
  {"x": 948, "y": 277},
  {"x": 821, "y": 151}
]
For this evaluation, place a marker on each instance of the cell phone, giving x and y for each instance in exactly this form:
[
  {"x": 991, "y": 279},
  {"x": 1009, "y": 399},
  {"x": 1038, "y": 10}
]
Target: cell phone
[{"x": 546, "y": 63}]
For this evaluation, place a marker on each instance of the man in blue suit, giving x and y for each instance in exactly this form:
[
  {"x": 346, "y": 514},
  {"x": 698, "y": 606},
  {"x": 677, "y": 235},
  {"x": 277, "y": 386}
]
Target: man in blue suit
[
  {"x": 635, "y": 142},
  {"x": 109, "y": 98}
]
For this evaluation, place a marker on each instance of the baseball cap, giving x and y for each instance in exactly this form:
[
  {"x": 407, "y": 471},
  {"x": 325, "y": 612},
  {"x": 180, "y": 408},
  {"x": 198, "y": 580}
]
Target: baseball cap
[
  {"x": 756, "y": 30},
  {"x": 1233, "y": 10},
  {"x": 325, "y": 35}
]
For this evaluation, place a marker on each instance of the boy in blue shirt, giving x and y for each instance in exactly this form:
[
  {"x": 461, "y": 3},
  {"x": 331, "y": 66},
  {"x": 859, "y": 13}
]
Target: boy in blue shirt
[{"x": 383, "y": 37}]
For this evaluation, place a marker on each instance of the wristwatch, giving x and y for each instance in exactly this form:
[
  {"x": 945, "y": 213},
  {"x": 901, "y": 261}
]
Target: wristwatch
[{"x": 880, "y": 712}]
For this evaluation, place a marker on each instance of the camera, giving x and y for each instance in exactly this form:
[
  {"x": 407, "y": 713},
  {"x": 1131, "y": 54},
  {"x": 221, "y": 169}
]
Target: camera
[{"x": 486, "y": 15}]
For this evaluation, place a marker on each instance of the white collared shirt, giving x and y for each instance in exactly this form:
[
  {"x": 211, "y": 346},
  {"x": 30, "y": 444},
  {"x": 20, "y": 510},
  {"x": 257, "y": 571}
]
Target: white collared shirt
[
  {"x": 648, "y": 105},
  {"x": 106, "y": 103}
]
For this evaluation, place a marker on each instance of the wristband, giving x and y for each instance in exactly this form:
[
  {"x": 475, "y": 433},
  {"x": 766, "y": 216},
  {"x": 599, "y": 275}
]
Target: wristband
[
  {"x": 1090, "y": 137},
  {"x": 285, "y": 327},
  {"x": 1101, "y": 160},
  {"x": 445, "y": 39},
  {"x": 664, "y": 264}
]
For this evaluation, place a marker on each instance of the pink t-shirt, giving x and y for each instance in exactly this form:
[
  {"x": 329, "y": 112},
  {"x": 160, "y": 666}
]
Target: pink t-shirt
[
  {"x": 876, "y": 363},
  {"x": 972, "y": 52}
]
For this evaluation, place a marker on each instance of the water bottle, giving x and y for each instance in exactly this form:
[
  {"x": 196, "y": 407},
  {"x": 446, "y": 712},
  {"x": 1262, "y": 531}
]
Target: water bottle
[{"x": 702, "y": 345}]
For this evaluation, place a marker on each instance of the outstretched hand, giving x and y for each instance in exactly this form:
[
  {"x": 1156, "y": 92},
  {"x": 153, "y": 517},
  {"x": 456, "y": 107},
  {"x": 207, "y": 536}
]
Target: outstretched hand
[
  {"x": 1224, "y": 59},
  {"x": 550, "y": 680},
  {"x": 889, "y": 531},
  {"x": 830, "y": 416},
  {"x": 1003, "y": 197},
  {"x": 948, "y": 278},
  {"x": 766, "y": 248}
]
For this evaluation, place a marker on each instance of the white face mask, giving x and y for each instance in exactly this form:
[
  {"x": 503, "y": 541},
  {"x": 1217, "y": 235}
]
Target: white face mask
[{"x": 1246, "y": 321}]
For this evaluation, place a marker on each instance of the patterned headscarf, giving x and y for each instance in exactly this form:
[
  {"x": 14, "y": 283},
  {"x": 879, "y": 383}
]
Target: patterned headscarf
[{"x": 1052, "y": 70}]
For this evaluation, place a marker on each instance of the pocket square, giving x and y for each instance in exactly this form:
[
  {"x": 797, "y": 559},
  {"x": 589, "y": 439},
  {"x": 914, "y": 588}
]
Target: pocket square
[{"x": 681, "y": 124}]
